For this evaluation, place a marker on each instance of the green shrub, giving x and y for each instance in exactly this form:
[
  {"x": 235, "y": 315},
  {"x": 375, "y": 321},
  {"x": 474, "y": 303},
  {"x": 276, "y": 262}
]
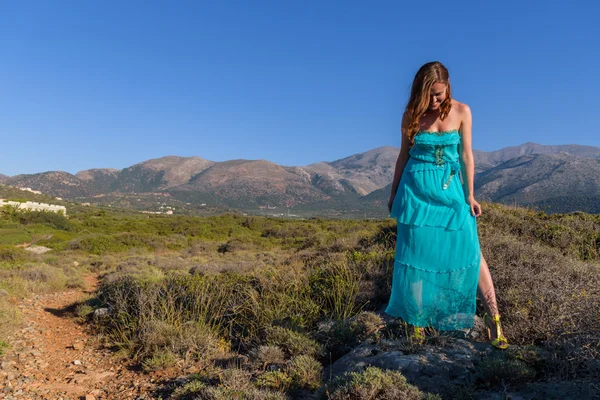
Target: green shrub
[
  {"x": 265, "y": 356},
  {"x": 190, "y": 389},
  {"x": 84, "y": 310},
  {"x": 275, "y": 380},
  {"x": 12, "y": 236},
  {"x": 12, "y": 255},
  {"x": 160, "y": 360},
  {"x": 495, "y": 369},
  {"x": 97, "y": 244},
  {"x": 3, "y": 347},
  {"x": 236, "y": 384},
  {"x": 179, "y": 313},
  {"x": 51, "y": 219},
  {"x": 191, "y": 339},
  {"x": 374, "y": 384},
  {"x": 336, "y": 287},
  {"x": 293, "y": 343},
  {"x": 305, "y": 372},
  {"x": 339, "y": 337}
]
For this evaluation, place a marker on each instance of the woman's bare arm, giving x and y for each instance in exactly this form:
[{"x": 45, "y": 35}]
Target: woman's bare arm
[
  {"x": 467, "y": 159},
  {"x": 400, "y": 164}
]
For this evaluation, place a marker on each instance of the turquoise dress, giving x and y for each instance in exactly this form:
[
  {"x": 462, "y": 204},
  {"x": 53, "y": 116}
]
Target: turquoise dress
[{"x": 436, "y": 268}]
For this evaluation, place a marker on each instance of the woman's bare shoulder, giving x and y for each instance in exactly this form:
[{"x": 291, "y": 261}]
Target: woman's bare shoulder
[{"x": 462, "y": 109}]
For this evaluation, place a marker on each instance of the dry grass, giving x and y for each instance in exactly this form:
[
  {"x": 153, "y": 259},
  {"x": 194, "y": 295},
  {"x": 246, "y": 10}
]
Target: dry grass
[
  {"x": 184, "y": 289},
  {"x": 546, "y": 295}
]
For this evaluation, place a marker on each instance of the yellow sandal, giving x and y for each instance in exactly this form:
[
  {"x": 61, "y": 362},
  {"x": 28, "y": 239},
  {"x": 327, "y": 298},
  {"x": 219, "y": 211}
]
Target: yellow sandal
[
  {"x": 500, "y": 342},
  {"x": 418, "y": 335}
]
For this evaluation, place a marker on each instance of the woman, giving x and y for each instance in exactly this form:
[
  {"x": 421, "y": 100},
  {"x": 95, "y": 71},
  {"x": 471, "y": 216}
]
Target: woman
[{"x": 438, "y": 262}]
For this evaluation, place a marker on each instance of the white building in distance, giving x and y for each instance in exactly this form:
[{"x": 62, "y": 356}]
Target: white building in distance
[{"x": 34, "y": 206}]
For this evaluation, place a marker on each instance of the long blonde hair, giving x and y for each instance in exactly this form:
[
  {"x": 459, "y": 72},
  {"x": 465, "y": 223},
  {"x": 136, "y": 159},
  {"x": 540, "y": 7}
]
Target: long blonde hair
[{"x": 418, "y": 102}]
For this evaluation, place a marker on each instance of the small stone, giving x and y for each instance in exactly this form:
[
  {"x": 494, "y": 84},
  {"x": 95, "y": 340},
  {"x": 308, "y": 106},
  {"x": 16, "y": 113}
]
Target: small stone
[
  {"x": 77, "y": 346},
  {"x": 76, "y": 362},
  {"x": 90, "y": 397},
  {"x": 75, "y": 264},
  {"x": 36, "y": 353},
  {"x": 100, "y": 312}
]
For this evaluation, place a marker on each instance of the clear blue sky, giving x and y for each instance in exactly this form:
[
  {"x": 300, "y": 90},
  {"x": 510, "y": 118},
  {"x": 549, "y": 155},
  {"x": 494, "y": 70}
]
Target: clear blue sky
[{"x": 107, "y": 83}]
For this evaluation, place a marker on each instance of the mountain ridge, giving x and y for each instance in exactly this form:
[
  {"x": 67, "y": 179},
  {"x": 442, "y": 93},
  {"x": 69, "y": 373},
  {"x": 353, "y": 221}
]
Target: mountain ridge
[{"x": 526, "y": 173}]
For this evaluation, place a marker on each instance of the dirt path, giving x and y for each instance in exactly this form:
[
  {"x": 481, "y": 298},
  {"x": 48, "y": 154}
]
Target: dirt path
[{"x": 53, "y": 357}]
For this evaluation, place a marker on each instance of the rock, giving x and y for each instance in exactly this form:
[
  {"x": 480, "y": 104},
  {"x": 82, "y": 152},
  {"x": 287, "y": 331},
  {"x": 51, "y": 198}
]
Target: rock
[
  {"x": 77, "y": 346},
  {"x": 447, "y": 362},
  {"x": 36, "y": 353},
  {"x": 76, "y": 362},
  {"x": 75, "y": 264},
  {"x": 90, "y": 397},
  {"x": 431, "y": 369},
  {"x": 38, "y": 249},
  {"x": 100, "y": 312}
]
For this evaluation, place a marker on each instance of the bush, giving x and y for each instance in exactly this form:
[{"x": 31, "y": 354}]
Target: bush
[
  {"x": 293, "y": 343},
  {"x": 266, "y": 356},
  {"x": 375, "y": 384},
  {"x": 51, "y": 219},
  {"x": 305, "y": 372},
  {"x": 179, "y": 313},
  {"x": 3, "y": 347},
  {"x": 159, "y": 360},
  {"x": 12, "y": 255},
  {"x": 235, "y": 383},
  {"x": 275, "y": 380},
  {"x": 97, "y": 244},
  {"x": 192, "y": 340},
  {"x": 496, "y": 369},
  {"x": 336, "y": 287},
  {"x": 339, "y": 337},
  {"x": 190, "y": 389}
]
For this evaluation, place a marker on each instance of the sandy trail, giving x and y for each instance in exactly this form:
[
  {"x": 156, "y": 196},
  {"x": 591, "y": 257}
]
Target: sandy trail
[{"x": 53, "y": 357}]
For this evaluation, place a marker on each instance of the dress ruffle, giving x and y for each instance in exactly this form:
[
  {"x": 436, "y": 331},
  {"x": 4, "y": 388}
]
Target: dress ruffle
[{"x": 418, "y": 202}]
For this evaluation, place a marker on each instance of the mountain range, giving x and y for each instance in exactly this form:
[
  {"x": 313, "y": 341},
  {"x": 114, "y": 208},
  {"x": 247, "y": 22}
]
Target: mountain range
[{"x": 558, "y": 178}]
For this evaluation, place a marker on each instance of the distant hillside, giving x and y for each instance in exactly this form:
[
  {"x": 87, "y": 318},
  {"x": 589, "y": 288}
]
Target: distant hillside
[
  {"x": 527, "y": 174},
  {"x": 254, "y": 182},
  {"x": 537, "y": 177},
  {"x": 159, "y": 174},
  {"x": 54, "y": 183},
  {"x": 485, "y": 160},
  {"x": 102, "y": 178},
  {"x": 570, "y": 203},
  {"x": 363, "y": 172},
  {"x": 550, "y": 182}
]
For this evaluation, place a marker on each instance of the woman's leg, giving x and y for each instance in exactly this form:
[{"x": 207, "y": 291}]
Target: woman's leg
[{"x": 487, "y": 294}]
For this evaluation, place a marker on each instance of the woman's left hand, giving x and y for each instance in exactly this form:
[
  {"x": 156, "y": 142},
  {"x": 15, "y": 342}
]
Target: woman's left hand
[{"x": 475, "y": 207}]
